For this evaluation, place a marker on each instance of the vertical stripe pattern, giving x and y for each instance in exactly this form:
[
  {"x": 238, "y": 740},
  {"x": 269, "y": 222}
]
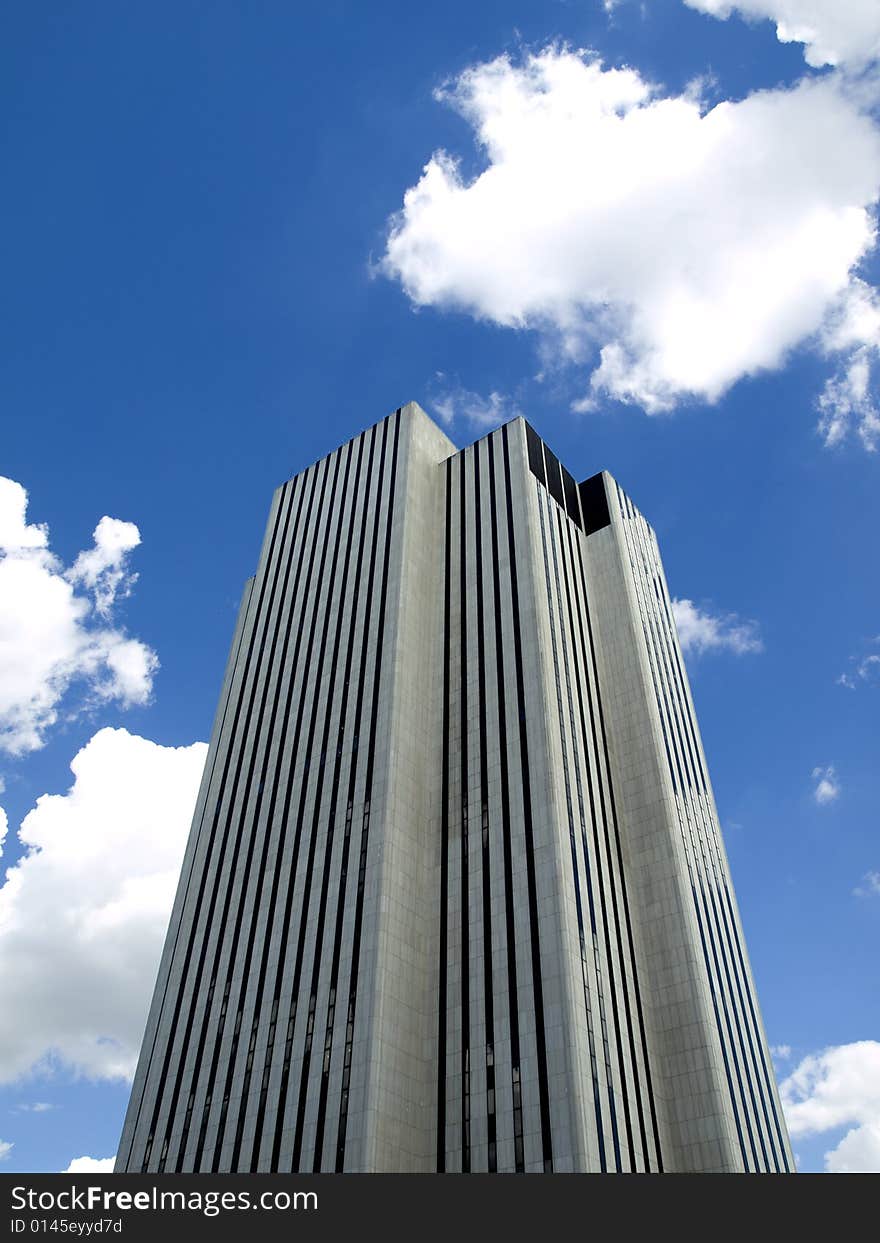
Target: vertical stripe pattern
[{"x": 406, "y": 931}]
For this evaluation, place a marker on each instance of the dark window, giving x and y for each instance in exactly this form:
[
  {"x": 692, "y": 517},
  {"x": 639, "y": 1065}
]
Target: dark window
[
  {"x": 572, "y": 506},
  {"x": 444, "y": 829},
  {"x": 536, "y": 453},
  {"x": 554, "y": 477},
  {"x": 510, "y": 922},
  {"x": 525, "y": 773},
  {"x": 594, "y": 504}
]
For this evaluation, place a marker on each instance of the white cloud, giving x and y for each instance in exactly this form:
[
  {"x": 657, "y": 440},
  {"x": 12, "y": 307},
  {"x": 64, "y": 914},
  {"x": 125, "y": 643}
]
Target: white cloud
[
  {"x": 867, "y": 669},
  {"x": 16, "y": 534},
  {"x": 454, "y": 404},
  {"x": 833, "y": 32},
  {"x": 869, "y": 887},
  {"x": 846, "y": 403},
  {"x": 827, "y": 785},
  {"x": 103, "y": 569},
  {"x": 4, "y": 826},
  {"x": 84, "y": 911},
  {"x": 39, "y": 1107},
  {"x": 91, "y": 1165},
  {"x": 835, "y": 1088},
  {"x": 689, "y": 247},
  {"x": 130, "y": 668},
  {"x": 858, "y": 1152},
  {"x": 50, "y": 641},
  {"x": 781, "y": 1051},
  {"x": 5, "y": 1149},
  {"x": 701, "y": 631}
]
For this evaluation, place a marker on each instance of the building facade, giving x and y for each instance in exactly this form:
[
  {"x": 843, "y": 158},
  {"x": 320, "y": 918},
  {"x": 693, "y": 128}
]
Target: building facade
[{"x": 455, "y": 897}]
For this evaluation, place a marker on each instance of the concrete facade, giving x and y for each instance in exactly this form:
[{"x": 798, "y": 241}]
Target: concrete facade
[{"x": 455, "y": 896}]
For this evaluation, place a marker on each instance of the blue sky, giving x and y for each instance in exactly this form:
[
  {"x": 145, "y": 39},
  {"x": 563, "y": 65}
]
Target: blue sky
[{"x": 212, "y": 277}]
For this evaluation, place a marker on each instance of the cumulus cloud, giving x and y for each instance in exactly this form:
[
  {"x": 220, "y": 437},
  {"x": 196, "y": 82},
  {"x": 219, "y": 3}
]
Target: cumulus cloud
[
  {"x": 858, "y": 1152},
  {"x": 83, "y": 913},
  {"x": 833, "y": 32},
  {"x": 54, "y": 635},
  {"x": 827, "y": 787},
  {"x": 781, "y": 1051},
  {"x": 670, "y": 247},
  {"x": 4, "y": 827},
  {"x": 702, "y": 631},
  {"x": 16, "y": 534},
  {"x": 454, "y": 404},
  {"x": 869, "y": 887},
  {"x": 836, "y": 1088},
  {"x": 91, "y": 1165},
  {"x": 5, "y": 1149}
]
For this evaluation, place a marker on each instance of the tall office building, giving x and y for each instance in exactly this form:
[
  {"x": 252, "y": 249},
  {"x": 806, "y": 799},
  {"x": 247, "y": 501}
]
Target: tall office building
[{"x": 455, "y": 896}]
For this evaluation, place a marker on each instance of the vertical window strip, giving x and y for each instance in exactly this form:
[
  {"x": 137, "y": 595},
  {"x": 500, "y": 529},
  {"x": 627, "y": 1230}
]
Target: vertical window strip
[
  {"x": 464, "y": 843},
  {"x": 444, "y": 831},
  {"x": 329, "y": 836},
  {"x": 247, "y": 1032},
  {"x": 258, "y": 1008},
  {"x": 214, "y": 1019},
  {"x": 725, "y": 1032},
  {"x": 597, "y": 954},
  {"x": 743, "y": 986},
  {"x": 537, "y": 988},
  {"x": 290, "y": 558},
  {"x": 724, "y": 918},
  {"x": 722, "y": 1042},
  {"x": 509, "y": 910},
  {"x": 749, "y": 992},
  {"x": 710, "y": 834},
  {"x": 348, "y": 1042},
  {"x": 606, "y": 878},
  {"x": 592, "y": 686},
  {"x": 725, "y": 1035},
  {"x": 705, "y": 836},
  {"x": 302, "y": 781},
  {"x": 371, "y": 755},
  {"x": 485, "y": 859},
  {"x": 314, "y": 760},
  {"x": 575, "y": 872},
  {"x": 702, "y": 837},
  {"x": 333, "y": 981},
  {"x": 608, "y": 882},
  {"x": 200, "y": 931},
  {"x": 221, "y": 735},
  {"x": 234, "y": 998},
  {"x": 358, "y": 676},
  {"x": 285, "y": 871}
]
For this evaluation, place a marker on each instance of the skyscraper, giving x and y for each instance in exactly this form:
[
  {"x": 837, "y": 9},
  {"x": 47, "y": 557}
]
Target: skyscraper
[{"x": 455, "y": 896}]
